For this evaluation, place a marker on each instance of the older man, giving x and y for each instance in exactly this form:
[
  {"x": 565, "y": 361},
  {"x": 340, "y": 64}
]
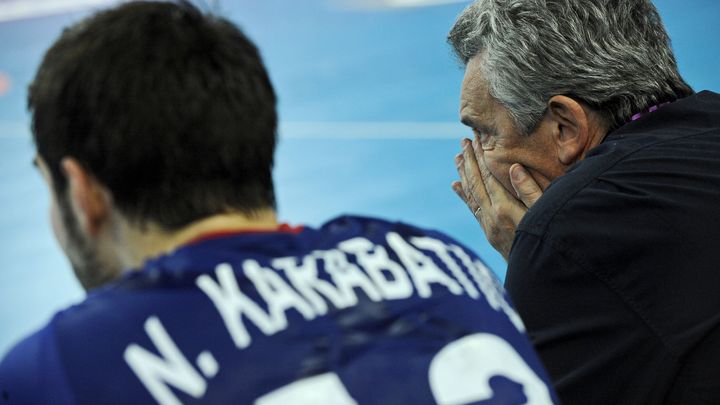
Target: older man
[{"x": 615, "y": 268}]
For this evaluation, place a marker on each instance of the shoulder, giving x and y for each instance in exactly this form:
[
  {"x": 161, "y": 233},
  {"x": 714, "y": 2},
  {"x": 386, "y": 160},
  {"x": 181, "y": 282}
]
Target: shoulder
[
  {"x": 64, "y": 354},
  {"x": 637, "y": 169},
  {"x": 358, "y": 224},
  {"x": 32, "y": 363},
  {"x": 405, "y": 240},
  {"x": 378, "y": 228},
  {"x": 648, "y": 192},
  {"x": 19, "y": 368}
]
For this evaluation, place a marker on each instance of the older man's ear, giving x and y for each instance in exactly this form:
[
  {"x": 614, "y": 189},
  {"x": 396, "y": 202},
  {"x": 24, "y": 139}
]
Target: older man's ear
[{"x": 571, "y": 129}]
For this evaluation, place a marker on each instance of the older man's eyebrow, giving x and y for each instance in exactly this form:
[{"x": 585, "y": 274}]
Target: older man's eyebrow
[{"x": 476, "y": 125}]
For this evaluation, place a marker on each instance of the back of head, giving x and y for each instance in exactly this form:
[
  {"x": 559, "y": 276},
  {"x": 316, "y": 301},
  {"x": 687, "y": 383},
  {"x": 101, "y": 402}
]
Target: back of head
[
  {"x": 614, "y": 55},
  {"x": 171, "y": 109}
]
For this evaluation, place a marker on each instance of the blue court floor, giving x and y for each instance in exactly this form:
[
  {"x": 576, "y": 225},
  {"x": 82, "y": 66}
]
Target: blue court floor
[{"x": 368, "y": 104}]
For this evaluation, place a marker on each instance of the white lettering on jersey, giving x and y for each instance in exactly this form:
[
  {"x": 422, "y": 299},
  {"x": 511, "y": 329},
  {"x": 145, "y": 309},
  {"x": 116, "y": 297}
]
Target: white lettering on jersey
[
  {"x": 376, "y": 263},
  {"x": 376, "y": 274},
  {"x": 490, "y": 287},
  {"x": 421, "y": 267},
  {"x": 320, "y": 389},
  {"x": 171, "y": 368},
  {"x": 309, "y": 293},
  {"x": 233, "y": 305},
  {"x": 443, "y": 252},
  {"x": 277, "y": 294},
  {"x": 347, "y": 276},
  {"x": 304, "y": 277},
  {"x": 460, "y": 373}
]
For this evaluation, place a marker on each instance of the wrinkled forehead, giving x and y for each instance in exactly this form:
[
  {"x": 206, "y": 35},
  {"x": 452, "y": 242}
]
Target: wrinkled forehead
[{"x": 474, "y": 94}]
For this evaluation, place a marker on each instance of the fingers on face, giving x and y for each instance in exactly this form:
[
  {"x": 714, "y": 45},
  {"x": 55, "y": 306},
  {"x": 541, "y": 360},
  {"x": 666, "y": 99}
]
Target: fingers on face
[
  {"x": 484, "y": 172},
  {"x": 457, "y": 188},
  {"x": 463, "y": 187},
  {"x": 527, "y": 190},
  {"x": 493, "y": 187},
  {"x": 474, "y": 186},
  {"x": 469, "y": 182}
]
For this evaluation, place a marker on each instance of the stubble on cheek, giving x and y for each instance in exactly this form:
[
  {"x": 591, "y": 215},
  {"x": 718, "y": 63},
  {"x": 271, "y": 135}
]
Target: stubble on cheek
[
  {"x": 56, "y": 220},
  {"x": 83, "y": 255}
]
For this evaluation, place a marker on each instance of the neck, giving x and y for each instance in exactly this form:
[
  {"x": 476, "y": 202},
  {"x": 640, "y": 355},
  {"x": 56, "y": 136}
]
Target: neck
[
  {"x": 596, "y": 139},
  {"x": 138, "y": 245},
  {"x": 598, "y": 129}
]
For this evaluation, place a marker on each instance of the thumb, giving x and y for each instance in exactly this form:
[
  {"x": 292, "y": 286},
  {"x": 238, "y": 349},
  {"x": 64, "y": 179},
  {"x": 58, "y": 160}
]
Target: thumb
[{"x": 525, "y": 186}]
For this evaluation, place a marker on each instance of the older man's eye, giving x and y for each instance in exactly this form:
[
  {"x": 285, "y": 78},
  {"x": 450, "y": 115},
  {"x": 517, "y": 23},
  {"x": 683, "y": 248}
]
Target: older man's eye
[{"x": 487, "y": 141}]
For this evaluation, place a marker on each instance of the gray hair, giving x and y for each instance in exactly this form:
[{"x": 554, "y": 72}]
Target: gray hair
[{"x": 614, "y": 55}]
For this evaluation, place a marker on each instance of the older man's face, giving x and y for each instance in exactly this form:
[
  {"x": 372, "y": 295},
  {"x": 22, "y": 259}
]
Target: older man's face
[{"x": 503, "y": 144}]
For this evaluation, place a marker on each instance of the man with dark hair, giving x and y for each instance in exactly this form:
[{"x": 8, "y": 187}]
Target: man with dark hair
[
  {"x": 155, "y": 129},
  {"x": 614, "y": 268}
]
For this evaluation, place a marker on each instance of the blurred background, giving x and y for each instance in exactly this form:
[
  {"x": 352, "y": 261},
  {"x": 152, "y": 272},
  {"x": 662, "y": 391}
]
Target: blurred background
[{"x": 368, "y": 95}]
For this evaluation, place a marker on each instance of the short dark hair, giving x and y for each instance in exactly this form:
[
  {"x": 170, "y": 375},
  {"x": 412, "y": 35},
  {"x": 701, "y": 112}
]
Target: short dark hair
[{"x": 170, "y": 108}]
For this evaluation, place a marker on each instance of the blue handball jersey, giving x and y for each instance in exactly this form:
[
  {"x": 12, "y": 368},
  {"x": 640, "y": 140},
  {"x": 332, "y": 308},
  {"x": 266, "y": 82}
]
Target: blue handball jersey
[{"x": 359, "y": 311}]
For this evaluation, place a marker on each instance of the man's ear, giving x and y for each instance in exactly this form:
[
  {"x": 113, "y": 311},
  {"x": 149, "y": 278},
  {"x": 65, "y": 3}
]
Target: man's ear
[
  {"x": 88, "y": 197},
  {"x": 572, "y": 132}
]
